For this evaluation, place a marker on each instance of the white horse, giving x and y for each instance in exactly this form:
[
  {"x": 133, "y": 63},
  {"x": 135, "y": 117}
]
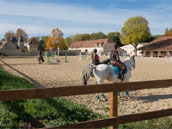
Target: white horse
[{"x": 105, "y": 72}]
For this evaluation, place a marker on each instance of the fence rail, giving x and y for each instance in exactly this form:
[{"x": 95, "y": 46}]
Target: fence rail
[
  {"x": 115, "y": 120},
  {"x": 118, "y": 120}
]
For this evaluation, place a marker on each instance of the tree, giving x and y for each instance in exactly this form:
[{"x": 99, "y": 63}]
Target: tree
[
  {"x": 98, "y": 35},
  {"x": 34, "y": 39},
  {"x": 115, "y": 37},
  {"x": 77, "y": 37},
  {"x": 81, "y": 37},
  {"x": 170, "y": 32},
  {"x": 62, "y": 44},
  {"x": 57, "y": 39},
  {"x": 21, "y": 32},
  {"x": 85, "y": 37},
  {"x": 9, "y": 34},
  {"x": 49, "y": 43},
  {"x": 68, "y": 41},
  {"x": 135, "y": 30},
  {"x": 43, "y": 41},
  {"x": 152, "y": 37},
  {"x": 166, "y": 32}
]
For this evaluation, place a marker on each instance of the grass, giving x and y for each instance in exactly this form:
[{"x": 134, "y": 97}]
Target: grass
[
  {"x": 54, "y": 111},
  {"x": 161, "y": 123},
  {"x": 38, "y": 112}
]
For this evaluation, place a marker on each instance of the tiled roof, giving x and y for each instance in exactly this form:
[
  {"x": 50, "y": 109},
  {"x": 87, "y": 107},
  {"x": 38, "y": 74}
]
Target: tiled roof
[
  {"x": 166, "y": 48},
  {"x": 2, "y": 43},
  {"x": 160, "y": 43},
  {"x": 90, "y": 43}
]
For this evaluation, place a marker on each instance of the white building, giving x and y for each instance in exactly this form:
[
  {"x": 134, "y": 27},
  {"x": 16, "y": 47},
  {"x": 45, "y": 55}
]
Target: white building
[
  {"x": 88, "y": 46},
  {"x": 131, "y": 50}
]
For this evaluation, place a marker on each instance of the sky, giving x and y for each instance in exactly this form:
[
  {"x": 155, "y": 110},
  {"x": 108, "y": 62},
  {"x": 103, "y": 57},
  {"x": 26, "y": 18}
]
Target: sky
[{"x": 39, "y": 17}]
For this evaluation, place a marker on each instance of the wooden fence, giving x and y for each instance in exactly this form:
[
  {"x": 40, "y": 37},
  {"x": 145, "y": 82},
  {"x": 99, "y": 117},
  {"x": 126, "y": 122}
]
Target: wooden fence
[{"x": 114, "y": 120}]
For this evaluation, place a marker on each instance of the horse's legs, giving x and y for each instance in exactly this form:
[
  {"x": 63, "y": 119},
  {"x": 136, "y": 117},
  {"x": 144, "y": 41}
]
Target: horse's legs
[
  {"x": 118, "y": 93},
  {"x": 127, "y": 92},
  {"x": 97, "y": 95}
]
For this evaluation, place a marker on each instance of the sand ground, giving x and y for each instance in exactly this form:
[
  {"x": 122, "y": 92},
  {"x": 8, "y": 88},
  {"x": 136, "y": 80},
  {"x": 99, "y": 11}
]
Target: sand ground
[{"x": 54, "y": 74}]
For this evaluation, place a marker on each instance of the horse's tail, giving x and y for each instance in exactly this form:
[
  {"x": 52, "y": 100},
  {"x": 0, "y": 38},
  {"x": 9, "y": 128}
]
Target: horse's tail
[{"x": 87, "y": 71}]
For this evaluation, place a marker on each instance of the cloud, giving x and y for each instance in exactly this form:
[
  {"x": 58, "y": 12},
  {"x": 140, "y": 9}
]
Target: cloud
[
  {"x": 40, "y": 18},
  {"x": 31, "y": 29}
]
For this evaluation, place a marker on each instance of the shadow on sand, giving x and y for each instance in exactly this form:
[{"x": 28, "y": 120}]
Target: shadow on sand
[{"x": 153, "y": 98}]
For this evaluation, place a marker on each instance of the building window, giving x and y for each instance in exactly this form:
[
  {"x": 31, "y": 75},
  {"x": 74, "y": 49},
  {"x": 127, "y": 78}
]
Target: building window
[
  {"x": 155, "y": 53},
  {"x": 163, "y": 53},
  {"x": 170, "y": 53},
  {"x": 147, "y": 54}
]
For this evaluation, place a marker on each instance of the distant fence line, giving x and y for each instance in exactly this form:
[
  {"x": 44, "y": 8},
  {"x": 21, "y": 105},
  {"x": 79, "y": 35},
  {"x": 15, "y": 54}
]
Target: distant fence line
[
  {"x": 62, "y": 53},
  {"x": 114, "y": 120}
]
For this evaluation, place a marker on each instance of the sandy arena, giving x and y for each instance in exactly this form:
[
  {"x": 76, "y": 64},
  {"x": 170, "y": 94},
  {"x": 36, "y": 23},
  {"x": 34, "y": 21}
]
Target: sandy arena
[{"x": 69, "y": 74}]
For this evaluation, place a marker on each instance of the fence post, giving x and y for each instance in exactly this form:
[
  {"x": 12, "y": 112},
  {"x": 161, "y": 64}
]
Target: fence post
[{"x": 114, "y": 107}]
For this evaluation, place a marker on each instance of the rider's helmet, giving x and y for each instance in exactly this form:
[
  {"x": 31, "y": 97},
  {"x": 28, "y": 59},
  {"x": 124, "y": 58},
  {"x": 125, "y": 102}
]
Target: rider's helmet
[{"x": 95, "y": 50}]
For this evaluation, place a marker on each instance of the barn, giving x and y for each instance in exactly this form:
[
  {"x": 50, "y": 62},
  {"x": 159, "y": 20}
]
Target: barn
[
  {"x": 161, "y": 47},
  {"x": 103, "y": 46}
]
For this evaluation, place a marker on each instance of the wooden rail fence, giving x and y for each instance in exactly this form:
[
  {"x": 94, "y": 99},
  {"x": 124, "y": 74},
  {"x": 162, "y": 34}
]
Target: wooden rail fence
[{"x": 114, "y": 120}]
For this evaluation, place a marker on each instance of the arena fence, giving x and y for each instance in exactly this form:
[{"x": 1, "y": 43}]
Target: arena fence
[{"x": 114, "y": 120}]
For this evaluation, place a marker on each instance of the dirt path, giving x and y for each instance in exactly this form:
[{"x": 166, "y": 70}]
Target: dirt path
[{"x": 69, "y": 74}]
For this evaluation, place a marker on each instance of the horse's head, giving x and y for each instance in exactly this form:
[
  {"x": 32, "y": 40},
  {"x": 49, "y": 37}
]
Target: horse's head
[{"x": 130, "y": 63}]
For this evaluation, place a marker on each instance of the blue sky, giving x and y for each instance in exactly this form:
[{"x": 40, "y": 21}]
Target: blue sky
[{"x": 38, "y": 17}]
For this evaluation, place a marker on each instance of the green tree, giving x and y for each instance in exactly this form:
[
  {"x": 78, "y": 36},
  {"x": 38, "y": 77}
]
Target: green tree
[
  {"x": 68, "y": 41},
  {"x": 62, "y": 45},
  {"x": 115, "y": 37},
  {"x": 81, "y": 37},
  {"x": 135, "y": 30},
  {"x": 43, "y": 41},
  {"x": 152, "y": 37},
  {"x": 98, "y": 35},
  {"x": 85, "y": 37},
  {"x": 77, "y": 37}
]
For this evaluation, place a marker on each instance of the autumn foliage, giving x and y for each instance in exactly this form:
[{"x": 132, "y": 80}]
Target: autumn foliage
[
  {"x": 56, "y": 40},
  {"x": 49, "y": 44},
  {"x": 21, "y": 32},
  {"x": 168, "y": 32},
  {"x": 9, "y": 34}
]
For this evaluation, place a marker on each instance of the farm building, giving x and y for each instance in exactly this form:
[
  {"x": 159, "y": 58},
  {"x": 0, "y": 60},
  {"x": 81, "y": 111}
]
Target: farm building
[
  {"x": 12, "y": 47},
  {"x": 161, "y": 47},
  {"x": 131, "y": 50},
  {"x": 103, "y": 46}
]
